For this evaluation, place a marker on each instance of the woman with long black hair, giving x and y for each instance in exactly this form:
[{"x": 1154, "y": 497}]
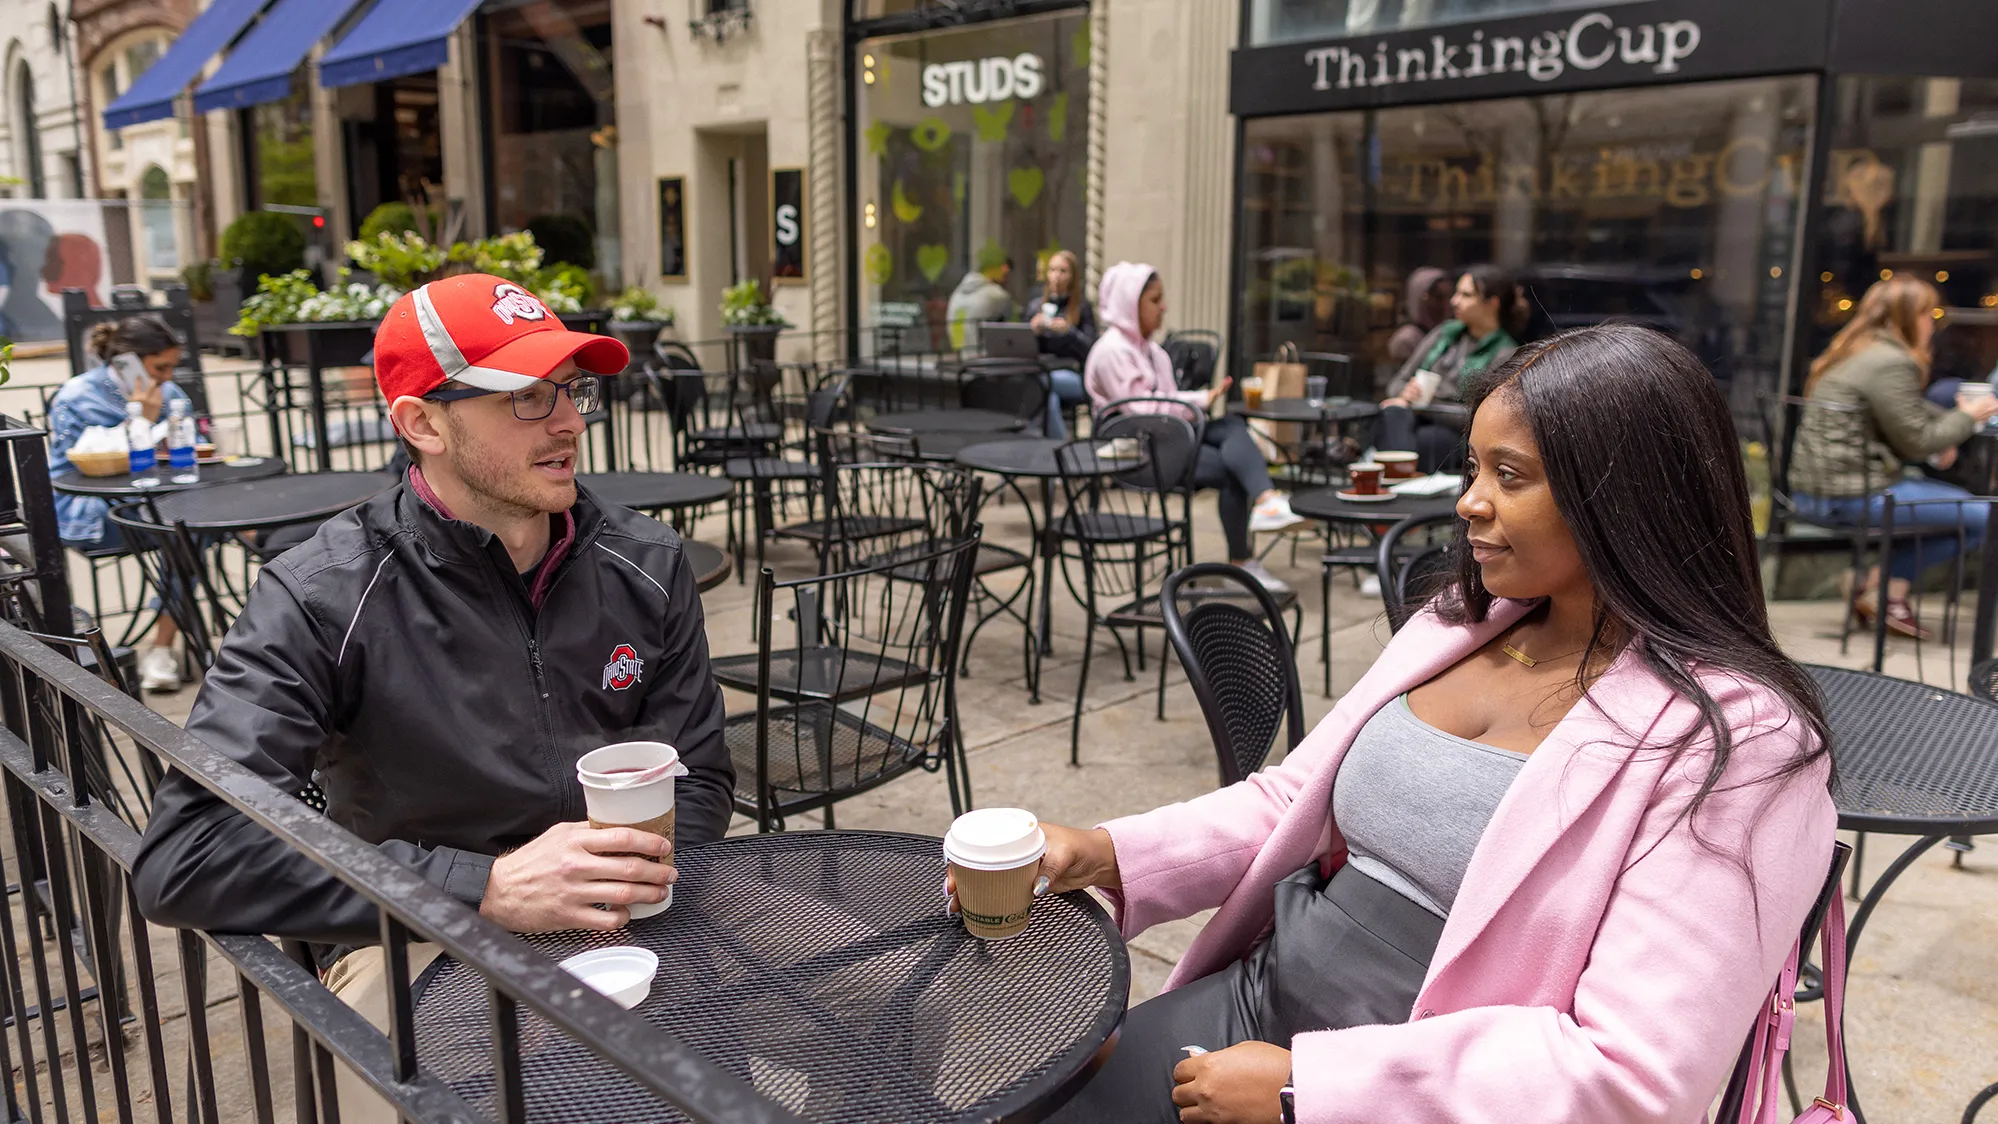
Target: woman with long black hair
[{"x": 1545, "y": 860}]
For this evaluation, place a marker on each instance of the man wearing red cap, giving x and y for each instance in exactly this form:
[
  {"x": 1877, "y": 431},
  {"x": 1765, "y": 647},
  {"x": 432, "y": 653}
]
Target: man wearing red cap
[{"x": 434, "y": 660}]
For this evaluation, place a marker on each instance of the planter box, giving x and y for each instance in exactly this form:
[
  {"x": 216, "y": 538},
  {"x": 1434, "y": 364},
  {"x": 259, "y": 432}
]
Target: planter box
[
  {"x": 637, "y": 335},
  {"x": 340, "y": 344},
  {"x": 756, "y": 341}
]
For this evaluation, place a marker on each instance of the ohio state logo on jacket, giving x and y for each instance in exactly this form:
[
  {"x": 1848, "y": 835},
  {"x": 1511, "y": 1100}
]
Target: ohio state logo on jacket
[{"x": 624, "y": 668}]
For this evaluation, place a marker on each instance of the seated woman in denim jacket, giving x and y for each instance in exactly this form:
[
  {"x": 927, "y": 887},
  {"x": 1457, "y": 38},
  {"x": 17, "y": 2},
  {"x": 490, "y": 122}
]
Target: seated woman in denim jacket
[{"x": 97, "y": 397}]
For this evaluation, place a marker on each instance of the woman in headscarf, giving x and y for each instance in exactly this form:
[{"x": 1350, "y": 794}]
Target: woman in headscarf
[{"x": 1126, "y": 364}]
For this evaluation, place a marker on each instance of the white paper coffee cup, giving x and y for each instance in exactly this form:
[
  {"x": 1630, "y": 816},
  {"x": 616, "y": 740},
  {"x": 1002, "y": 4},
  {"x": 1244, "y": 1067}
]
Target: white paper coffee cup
[
  {"x": 612, "y": 800},
  {"x": 995, "y": 859}
]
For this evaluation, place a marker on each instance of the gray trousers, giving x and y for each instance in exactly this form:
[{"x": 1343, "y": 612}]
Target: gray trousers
[{"x": 1348, "y": 952}]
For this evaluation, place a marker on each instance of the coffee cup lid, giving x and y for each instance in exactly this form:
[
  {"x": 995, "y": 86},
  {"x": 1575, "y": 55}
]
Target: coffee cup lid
[{"x": 995, "y": 839}]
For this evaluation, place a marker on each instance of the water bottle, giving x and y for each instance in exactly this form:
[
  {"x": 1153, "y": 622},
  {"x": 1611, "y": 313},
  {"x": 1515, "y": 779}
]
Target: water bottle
[
  {"x": 139, "y": 442},
  {"x": 181, "y": 438}
]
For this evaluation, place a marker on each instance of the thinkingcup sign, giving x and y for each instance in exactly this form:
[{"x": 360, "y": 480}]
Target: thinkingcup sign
[{"x": 1610, "y": 45}]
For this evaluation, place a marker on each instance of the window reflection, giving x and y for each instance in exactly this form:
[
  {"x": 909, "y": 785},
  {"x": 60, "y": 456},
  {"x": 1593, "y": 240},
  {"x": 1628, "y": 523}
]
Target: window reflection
[
  {"x": 1288, "y": 21},
  {"x": 1674, "y": 207},
  {"x": 1912, "y": 185}
]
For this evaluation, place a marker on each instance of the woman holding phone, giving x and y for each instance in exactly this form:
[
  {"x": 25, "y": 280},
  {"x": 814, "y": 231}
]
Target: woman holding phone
[
  {"x": 1545, "y": 860},
  {"x": 136, "y": 359}
]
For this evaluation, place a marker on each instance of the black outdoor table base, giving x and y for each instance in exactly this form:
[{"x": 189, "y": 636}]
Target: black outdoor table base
[
  {"x": 1912, "y": 760},
  {"x": 820, "y": 968}
]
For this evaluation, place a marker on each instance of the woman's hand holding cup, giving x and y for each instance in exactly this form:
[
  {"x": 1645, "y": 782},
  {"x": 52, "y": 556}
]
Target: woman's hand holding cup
[
  {"x": 1075, "y": 859},
  {"x": 1980, "y": 404}
]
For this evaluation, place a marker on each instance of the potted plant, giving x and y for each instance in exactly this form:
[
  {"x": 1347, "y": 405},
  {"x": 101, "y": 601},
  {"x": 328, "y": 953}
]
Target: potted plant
[
  {"x": 754, "y": 322},
  {"x": 636, "y": 317},
  {"x": 300, "y": 323}
]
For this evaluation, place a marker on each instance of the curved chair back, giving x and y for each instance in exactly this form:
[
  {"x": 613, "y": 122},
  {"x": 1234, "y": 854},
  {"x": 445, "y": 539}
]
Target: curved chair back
[
  {"x": 1174, "y": 429},
  {"x": 1239, "y": 664},
  {"x": 172, "y": 563},
  {"x": 1410, "y": 574}
]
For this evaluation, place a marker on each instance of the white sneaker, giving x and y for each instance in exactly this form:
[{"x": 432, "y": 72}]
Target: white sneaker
[
  {"x": 159, "y": 670},
  {"x": 1255, "y": 569},
  {"x": 1274, "y": 514},
  {"x": 1370, "y": 586}
]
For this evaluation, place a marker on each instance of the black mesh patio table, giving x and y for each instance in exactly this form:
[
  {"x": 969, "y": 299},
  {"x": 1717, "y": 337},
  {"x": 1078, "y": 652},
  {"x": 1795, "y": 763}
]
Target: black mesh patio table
[
  {"x": 920, "y": 422},
  {"x": 820, "y": 968},
  {"x": 656, "y": 491},
  {"x": 1912, "y": 760},
  {"x": 1301, "y": 410},
  {"x": 259, "y": 505},
  {"x": 121, "y": 486}
]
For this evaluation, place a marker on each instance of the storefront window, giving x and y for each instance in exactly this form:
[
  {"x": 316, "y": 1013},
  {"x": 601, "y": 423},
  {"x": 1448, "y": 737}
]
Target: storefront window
[
  {"x": 1674, "y": 207},
  {"x": 157, "y": 219},
  {"x": 972, "y": 147},
  {"x": 554, "y": 129},
  {"x": 281, "y": 146},
  {"x": 1912, "y": 185},
  {"x": 1292, "y": 21}
]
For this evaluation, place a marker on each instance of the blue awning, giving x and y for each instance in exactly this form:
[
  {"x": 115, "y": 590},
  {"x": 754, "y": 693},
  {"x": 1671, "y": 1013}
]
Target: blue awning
[
  {"x": 259, "y": 68},
  {"x": 151, "y": 95},
  {"x": 394, "y": 40}
]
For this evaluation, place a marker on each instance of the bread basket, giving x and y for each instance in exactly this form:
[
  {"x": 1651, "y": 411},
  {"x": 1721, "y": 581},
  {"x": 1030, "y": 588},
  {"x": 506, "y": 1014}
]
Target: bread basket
[{"x": 101, "y": 464}]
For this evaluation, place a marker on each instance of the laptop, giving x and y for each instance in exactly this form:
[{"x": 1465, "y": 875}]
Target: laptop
[{"x": 1005, "y": 340}]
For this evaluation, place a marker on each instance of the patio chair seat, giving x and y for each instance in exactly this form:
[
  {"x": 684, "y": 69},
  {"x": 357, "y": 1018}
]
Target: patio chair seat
[
  {"x": 1111, "y": 527},
  {"x": 769, "y": 468},
  {"x": 823, "y": 673},
  {"x": 818, "y": 751},
  {"x": 851, "y": 528}
]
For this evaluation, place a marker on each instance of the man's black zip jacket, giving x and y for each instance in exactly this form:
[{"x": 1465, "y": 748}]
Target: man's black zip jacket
[{"x": 396, "y": 660}]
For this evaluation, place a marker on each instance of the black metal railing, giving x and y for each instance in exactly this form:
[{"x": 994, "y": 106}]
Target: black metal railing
[{"x": 80, "y": 977}]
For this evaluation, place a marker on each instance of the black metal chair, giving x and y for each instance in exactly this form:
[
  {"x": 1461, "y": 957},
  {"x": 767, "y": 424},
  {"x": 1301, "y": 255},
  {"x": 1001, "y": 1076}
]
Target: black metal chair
[
  {"x": 1941, "y": 594},
  {"x": 1840, "y": 427},
  {"x": 1410, "y": 573},
  {"x": 864, "y": 694},
  {"x": 174, "y": 564},
  {"x": 775, "y": 476},
  {"x": 717, "y": 416},
  {"x": 1239, "y": 663},
  {"x": 1735, "y": 1094},
  {"x": 877, "y": 499}
]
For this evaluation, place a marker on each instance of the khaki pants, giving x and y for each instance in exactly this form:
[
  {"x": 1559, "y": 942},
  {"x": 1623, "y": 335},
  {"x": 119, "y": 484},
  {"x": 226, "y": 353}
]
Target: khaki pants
[{"x": 360, "y": 979}]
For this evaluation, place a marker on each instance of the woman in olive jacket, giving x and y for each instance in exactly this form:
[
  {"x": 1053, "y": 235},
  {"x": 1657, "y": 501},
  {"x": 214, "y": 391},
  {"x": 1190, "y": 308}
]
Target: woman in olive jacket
[{"x": 1857, "y": 450}]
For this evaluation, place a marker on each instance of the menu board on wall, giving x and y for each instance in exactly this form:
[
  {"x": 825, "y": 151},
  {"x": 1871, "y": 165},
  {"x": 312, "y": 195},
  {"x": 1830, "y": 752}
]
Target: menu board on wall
[
  {"x": 787, "y": 225},
  {"x": 673, "y": 228}
]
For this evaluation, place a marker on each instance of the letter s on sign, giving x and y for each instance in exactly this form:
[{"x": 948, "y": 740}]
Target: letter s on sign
[
  {"x": 1026, "y": 75},
  {"x": 787, "y": 225},
  {"x": 936, "y": 85}
]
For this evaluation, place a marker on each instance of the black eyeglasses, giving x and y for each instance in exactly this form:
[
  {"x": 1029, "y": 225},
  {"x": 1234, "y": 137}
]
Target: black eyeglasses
[{"x": 537, "y": 401}]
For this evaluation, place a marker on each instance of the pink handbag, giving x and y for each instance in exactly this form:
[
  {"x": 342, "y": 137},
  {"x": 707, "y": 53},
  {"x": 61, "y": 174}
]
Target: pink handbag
[{"x": 1779, "y": 1016}]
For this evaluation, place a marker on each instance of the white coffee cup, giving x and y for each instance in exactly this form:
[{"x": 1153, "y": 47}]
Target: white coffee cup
[
  {"x": 630, "y": 784},
  {"x": 995, "y": 857}
]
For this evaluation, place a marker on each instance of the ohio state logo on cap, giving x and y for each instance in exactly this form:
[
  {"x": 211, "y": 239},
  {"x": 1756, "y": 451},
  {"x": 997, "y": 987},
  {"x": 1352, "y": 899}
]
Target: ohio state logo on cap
[
  {"x": 511, "y": 302},
  {"x": 624, "y": 668}
]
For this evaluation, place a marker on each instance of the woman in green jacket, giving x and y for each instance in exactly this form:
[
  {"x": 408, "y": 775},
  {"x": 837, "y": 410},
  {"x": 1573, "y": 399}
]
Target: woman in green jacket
[
  {"x": 1474, "y": 339},
  {"x": 1853, "y": 453}
]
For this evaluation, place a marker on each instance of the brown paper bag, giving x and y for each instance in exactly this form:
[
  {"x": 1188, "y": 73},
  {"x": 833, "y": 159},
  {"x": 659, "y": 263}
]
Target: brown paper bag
[{"x": 1283, "y": 377}]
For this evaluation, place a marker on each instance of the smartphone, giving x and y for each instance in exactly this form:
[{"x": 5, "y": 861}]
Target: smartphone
[{"x": 131, "y": 372}]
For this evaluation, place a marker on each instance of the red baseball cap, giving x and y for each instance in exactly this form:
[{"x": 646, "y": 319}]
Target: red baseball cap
[{"x": 483, "y": 331}]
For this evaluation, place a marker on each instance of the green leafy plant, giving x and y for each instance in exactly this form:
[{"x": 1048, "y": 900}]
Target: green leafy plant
[
  {"x": 391, "y": 218},
  {"x": 200, "y": 280},
  {"x": 565, "y": 238},
  {"x": 515, "y": 257},
  {"x": 401, "y": 260},
  {"x": 264, "y": 243},
  {"x": 745, "y": 306},
  {"x": 292, "y": 298},
  {"x": 637, "y": 305}
]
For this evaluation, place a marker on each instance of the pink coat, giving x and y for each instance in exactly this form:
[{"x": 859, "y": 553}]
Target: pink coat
[
  {"x": 1600, "y": 964},
  {"x": 1123, "y": 363}
]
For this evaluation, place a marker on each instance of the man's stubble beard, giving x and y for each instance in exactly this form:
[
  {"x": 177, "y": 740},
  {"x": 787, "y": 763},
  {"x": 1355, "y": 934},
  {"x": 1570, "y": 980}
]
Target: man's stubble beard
[{"x": 494, "y": 484}]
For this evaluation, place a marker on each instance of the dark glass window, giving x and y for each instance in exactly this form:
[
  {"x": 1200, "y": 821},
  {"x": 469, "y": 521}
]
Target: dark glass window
[
  {"x": 1912, "y": 185},
  {"x": 1676, "y": 207},
  {"x": 1290, "y": 21}
]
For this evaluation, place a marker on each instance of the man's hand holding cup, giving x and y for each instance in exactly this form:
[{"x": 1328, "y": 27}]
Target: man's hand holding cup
[{"x": 559, "y": 880}]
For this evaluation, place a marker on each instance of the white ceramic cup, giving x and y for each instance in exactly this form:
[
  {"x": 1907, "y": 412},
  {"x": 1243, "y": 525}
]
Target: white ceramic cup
[{"x": 612, "y": 800}]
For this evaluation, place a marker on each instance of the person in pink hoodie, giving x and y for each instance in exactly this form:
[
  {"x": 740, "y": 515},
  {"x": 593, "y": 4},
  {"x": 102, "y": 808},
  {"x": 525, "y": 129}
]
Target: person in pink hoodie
[
  {"x": 1545, "y": 861},
  {"x": 1126, "y": 364}
]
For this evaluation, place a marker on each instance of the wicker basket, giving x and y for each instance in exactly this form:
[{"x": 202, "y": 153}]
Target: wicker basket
[{"x": 101, "y": 464}]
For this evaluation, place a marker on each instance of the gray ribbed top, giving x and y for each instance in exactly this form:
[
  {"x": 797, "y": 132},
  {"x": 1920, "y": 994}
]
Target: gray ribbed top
[{"x": 1412, "y": 802}]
